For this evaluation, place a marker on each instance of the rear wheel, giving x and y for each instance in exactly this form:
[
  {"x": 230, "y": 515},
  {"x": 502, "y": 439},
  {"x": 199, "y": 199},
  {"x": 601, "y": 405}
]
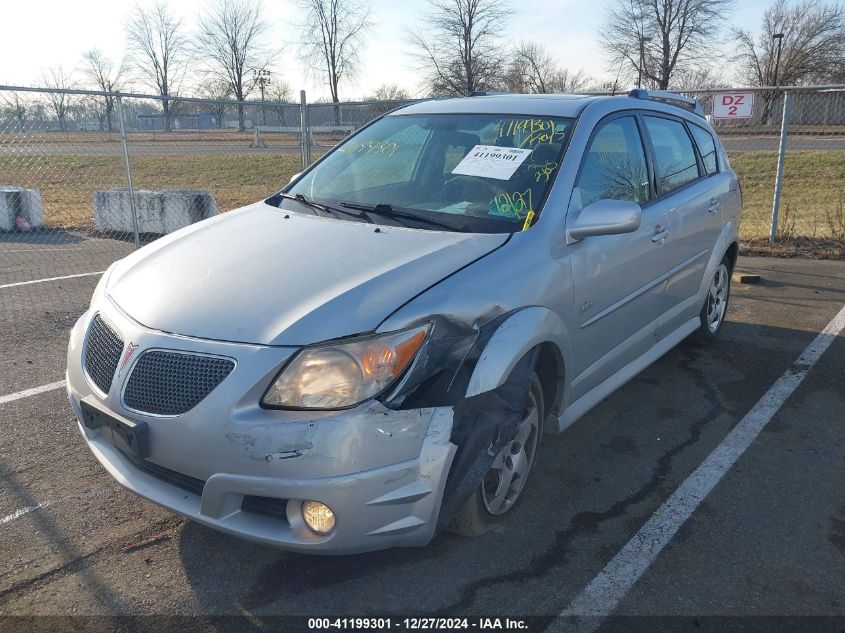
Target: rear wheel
[
  {"x": 503, "y": 485},
  {"x": 715, "y": 306}
]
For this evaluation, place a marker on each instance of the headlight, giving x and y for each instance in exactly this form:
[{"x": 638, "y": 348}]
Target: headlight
[{"x": 343, "y": 375}]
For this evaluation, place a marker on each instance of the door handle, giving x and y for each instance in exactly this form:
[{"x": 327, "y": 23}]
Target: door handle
[
  {"x": 659, "y": 234},
  {"x": 714, "y": 206}
]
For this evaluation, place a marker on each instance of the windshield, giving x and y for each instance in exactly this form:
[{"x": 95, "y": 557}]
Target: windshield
[{"x": 474, "y": 172}]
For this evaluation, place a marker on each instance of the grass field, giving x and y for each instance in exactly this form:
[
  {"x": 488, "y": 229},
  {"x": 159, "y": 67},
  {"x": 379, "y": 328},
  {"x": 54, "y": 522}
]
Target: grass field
[
  {"x": 812, "y": 196},
  {"x": 67, "y": 183},
  {"x": 812, "y": 200}
]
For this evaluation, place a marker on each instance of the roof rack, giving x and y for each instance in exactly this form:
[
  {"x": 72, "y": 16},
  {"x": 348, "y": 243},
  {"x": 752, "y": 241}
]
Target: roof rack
[
  {"x": 672, "y": 98},
  {"x": 486, "y": 93}
]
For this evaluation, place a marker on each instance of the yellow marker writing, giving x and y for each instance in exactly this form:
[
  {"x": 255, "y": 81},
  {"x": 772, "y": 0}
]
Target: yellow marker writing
[{"x": 528, "y": 220}]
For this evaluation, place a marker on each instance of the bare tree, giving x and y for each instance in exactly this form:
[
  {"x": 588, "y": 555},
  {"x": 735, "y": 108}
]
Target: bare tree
[
  {"x": 159, "y": 51},
  {"x": 458, "y": 49},
  {"x": 57, "y": 79},
  {"x": 386, "y": 97},
  {"x": 532, "y": 69},
  {"x": 390, "y": 92},
  {"x": 17, "y": 107},
  {"x": 281, "y": 94},
  {"x": 280, "y": 91},
  {"x": 214, "y": 88},
  {"x": 569, "y": 81},
  {"x": 813, "y": 47},
  {"x": 661, "y": 37},
  {"x": 231, "y": 40},
  {"x": 92, "y": 107},
  {"x": 699, "y": 77},
  {"x": 333, "y": 34},
  {"x": 105, "y": 76}
]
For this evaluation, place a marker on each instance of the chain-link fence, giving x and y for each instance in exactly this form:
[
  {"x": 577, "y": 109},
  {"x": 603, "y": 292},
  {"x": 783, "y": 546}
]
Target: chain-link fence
[
  {"x": 793, "y": 141},
  {"x": 69, "y": 159}
]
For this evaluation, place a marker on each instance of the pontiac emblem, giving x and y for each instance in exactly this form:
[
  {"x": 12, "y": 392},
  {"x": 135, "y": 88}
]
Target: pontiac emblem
[{"x": 127, "y": 356}]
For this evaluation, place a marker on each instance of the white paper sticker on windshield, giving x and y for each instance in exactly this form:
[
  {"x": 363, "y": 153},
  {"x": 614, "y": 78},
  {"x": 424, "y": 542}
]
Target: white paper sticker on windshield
[{"x": 491, "y": 161}]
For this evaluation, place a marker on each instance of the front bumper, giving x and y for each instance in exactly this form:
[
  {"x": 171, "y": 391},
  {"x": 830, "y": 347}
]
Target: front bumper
[{"x": 381, "y": 471}]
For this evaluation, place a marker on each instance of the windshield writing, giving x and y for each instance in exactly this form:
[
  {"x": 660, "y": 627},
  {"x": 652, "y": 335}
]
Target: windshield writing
[{"x": 493, "y": 171}]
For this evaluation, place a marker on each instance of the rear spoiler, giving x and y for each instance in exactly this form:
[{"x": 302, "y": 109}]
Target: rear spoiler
[{"x": 672, "y": 98}]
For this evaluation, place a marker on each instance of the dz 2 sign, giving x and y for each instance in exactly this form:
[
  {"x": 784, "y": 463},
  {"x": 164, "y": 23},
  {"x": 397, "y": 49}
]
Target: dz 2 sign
[{"x": 733, "y": 105}]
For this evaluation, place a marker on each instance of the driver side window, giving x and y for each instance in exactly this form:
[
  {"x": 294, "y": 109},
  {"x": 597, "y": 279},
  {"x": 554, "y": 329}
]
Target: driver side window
[{"x": 614, "y": 166}]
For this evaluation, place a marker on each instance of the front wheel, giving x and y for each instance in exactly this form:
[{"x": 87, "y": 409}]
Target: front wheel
[
  {"x": 715, "y": 306},
  {"x": 505, "y": 482}
]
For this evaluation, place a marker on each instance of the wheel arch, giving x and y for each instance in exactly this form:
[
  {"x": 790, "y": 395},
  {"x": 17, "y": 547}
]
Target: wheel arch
[
  {"x": 726, "y": 244},
  {"x": 733, "y": 253},
  {"x": 551, "y": 372},
  {"x": 518, "y": 335}
]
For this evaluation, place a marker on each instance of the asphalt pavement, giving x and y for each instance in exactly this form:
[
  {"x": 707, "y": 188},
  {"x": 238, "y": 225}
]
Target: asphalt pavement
[{"x": 769, "y": 540}]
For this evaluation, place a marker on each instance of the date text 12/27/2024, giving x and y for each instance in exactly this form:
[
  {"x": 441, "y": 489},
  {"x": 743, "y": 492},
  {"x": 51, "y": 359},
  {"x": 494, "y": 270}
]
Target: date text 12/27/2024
[{"x": 419, "y": 624}]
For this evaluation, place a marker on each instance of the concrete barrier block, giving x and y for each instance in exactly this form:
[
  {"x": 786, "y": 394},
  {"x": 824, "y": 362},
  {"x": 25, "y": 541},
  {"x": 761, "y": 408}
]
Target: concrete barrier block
[
  {"x": 149, "y": 209},
  {"x": 19, "y": 202},
  {"x": 113, "y": 211},
  {"x": 9, "y": 207},
  {"x": 182, "y": 207},
  {"x": 158, "y": 212},
  {"x": 32, "y": 209}
]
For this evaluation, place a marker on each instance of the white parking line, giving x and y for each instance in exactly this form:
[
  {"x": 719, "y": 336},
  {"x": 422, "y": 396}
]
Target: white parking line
[
  {"x": 46, "y": 504},
  {"x": 19, "y": 513},
  {"x": 26, "y": 393},
  {"x": 604, "y": 593},
  {"x": 41, "y": 281}
]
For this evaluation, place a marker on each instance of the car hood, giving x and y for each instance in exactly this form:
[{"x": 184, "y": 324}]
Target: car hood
[{"x": 268, "y": 276}]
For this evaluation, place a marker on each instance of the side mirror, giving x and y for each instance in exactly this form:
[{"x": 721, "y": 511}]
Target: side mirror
[
  {"x": 294, "y": 177},
  {"x": 605, "y": 217}
]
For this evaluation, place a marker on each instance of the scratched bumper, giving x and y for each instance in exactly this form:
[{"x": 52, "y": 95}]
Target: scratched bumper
[{"x": 381, "y": 471}]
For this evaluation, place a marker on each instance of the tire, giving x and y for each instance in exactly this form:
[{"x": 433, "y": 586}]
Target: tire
[
  {"x": 712, "y": 315},
  {"x": 493, "y": 500}
]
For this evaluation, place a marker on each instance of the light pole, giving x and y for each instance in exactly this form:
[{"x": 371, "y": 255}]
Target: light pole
[
  {"x": 643, "y": 40},
  {"x": 779, "y": 38},
  {"x": 262, "y": 78}
]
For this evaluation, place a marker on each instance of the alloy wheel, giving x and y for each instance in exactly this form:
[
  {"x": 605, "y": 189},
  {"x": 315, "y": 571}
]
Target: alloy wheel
[
  {"x": 506, "y": 479},
  {"x": 717, "y": 298}
]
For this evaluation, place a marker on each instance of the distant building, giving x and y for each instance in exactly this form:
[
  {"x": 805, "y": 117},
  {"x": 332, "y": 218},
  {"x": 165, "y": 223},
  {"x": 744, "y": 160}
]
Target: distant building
[{"x": 199, "y": 121}]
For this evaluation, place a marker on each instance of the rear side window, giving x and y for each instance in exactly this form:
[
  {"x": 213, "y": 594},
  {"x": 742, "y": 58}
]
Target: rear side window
[
  {"x": 673, "y": 152},
  {"x": 706, "y": 147},
  {"x": 614, "y": 166}
]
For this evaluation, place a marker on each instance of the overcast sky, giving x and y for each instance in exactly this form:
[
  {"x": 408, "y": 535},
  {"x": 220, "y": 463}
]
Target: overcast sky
[{"x": 37, "y": 34}]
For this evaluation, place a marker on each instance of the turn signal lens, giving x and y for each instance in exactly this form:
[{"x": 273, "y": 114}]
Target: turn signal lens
[
  {"x": 386, "y": 360},
  {"x": 318, "y": 517}
]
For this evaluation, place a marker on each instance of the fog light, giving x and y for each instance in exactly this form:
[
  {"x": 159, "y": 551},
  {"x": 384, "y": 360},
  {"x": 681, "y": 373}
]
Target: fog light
[{"x": 318, "y": 516}]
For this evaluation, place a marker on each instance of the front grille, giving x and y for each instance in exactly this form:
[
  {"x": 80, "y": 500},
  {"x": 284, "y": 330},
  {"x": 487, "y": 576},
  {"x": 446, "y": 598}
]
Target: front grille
[
  {"x": 171, "y": 383},
  {"x": 268, "y": 506},
  {"x": 102, "y": 353}
]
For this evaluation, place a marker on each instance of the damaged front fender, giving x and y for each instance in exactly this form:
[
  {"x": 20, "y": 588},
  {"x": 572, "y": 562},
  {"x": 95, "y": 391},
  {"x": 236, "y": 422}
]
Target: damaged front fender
[
  {"x": 482, "y": 425},
  {"x": 521, "y": 332},
  {"x": 484, "y": 372}
]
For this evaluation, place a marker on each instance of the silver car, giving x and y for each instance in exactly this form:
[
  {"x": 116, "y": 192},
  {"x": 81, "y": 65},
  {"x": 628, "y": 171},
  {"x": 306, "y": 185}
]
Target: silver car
[{"x": 374, "y": 353}]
